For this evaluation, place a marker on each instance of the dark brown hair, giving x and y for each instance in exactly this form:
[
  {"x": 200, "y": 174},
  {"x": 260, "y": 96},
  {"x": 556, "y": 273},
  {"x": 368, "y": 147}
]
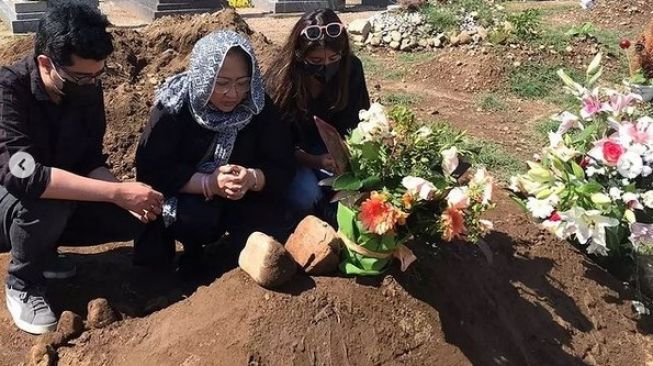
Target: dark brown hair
[{"x": 286, "y": 79}]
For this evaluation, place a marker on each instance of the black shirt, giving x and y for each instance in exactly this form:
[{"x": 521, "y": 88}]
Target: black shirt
[
  {"x": 344, "y": 120},
  {"x": 64, "y": 135},
  {"x": 174, "y": 144}
]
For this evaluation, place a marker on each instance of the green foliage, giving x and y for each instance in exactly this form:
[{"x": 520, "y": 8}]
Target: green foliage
[
  {"x": 371, "y": 66},
  {"x": 400, "y": 98},
  {"x": 491, "y": 103},
  {"x": 447, "y": 16},
  {"x": 415, "y": 57},
  {"x": 536, "y": 81},
  {"x": 526, "y": 24}
]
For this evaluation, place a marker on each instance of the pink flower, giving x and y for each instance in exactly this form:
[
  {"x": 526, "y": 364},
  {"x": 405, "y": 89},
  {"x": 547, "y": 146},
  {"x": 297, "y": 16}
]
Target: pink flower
[
  {"x": 619, "y": 103},
  {"x": 607, "y": 151},
  {"x": 567, "y": 122},
  {"x": 640, "y": 133},
  {"x": 612, "y": 152},
  {"x": 591, "y": 105}
]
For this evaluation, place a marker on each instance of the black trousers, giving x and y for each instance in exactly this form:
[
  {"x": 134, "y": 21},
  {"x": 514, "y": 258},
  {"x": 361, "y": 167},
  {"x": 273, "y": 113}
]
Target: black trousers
[
  {"x": 200, "y": 222},
  {"x": 33, "y": 228}
]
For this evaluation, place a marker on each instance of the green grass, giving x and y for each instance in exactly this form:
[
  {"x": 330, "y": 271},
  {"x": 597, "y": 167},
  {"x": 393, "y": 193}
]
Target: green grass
[
  {"x": 535, "y": 81},
  {"x": 491, "y": 103},
  {"x": 396, "y": 75},
  {"x": 444, "y": 17},
  {"x": 371, "y": 66},
  {"x": 489, "y": 154},
  {"x": 400, "y": 98},
  {"x": 544, "y": 126},
  {"x": 415, "y": 58}
]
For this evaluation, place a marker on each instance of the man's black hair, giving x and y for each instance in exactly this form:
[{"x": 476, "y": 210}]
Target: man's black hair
[{"x": 72, "y": 27}]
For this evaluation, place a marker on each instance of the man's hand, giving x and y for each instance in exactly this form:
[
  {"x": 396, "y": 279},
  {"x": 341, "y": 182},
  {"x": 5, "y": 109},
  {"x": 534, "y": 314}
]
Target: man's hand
[{"x": 139, "y": 198}]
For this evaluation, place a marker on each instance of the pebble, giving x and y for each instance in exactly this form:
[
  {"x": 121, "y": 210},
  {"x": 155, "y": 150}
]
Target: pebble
[{"x": 100, "y": 313}]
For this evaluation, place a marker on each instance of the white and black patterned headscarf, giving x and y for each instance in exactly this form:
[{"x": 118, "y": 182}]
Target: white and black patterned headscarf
[{"x": 194, "y": 88}]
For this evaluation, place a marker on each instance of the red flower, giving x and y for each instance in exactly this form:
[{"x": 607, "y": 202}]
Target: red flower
[
  {"x": 624, "y": 44},
  {"x": 612, "y": 152},
  {"x": 377, "y": 215},
  {"x": 585, "y": 162},
  {"x": 555, "y": 217}
]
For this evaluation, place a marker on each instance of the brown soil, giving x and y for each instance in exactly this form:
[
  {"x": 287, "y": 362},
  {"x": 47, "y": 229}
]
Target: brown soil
[{"x": 533, "y": 301}]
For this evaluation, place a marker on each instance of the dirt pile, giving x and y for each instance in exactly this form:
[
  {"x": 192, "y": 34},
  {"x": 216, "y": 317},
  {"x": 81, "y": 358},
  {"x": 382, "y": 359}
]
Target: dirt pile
[
  {"x": 539, "y": 302},
  {"x": 144, "y": 58}
]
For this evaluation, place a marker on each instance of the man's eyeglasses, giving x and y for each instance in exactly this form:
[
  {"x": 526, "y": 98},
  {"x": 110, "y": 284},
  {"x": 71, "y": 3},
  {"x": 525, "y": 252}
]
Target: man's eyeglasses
[
  {"x": 77, "y": 78},
  {"x": 316, "y": 32},
  {"x": 241, "y": 85}
]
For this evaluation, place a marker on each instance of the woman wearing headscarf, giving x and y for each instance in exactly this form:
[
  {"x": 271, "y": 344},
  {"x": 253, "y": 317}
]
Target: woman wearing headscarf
[{"x": 216, "y": 148}]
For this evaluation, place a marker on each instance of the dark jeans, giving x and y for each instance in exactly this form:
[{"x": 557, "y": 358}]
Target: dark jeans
[
  {"x": 33, "y": 228},
  {"x": 200, "y": 222}
]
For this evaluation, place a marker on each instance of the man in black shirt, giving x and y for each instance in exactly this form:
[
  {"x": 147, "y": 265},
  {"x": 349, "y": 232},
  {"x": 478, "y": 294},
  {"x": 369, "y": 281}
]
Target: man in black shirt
[{"x": 54, "y": 186}]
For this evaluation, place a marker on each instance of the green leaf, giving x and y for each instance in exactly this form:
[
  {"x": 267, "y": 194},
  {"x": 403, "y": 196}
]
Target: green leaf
[
  {"x": 370, "y": 182},
  {"x": 520, "y": 203},
  {"x": 590, "y": 188},
  {"x": 578, "y": 171},
  {"x": 347, "y": 182}
]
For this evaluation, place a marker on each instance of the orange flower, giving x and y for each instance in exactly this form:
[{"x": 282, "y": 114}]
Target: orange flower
[
  {"x": 453, "y": 224},
  {"x": 377, "y": 215},
  {"x": 407, "y": 199}
]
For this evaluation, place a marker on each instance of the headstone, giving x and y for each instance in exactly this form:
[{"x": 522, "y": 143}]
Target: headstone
[
  {"x": 154, "y": 9},
  {"x": 23, "y": 16},
  {"x": 297, "y": 6}
]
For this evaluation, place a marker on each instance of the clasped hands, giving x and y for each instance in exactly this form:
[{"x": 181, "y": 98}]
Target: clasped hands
[{"x": 231, "y": 182}]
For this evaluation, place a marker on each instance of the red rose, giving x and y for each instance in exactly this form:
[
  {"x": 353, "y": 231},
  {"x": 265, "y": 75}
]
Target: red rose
[
  {"x": 611, "y": 152},
  {"x": 584, "y": 162},
  {"x": 555, "y": 217}
]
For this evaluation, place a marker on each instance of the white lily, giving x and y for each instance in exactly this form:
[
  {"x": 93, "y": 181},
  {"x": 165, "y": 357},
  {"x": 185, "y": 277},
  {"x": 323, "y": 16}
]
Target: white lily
[
  {"x": 589, "y": 226},
  {"x": 449, "y": 160}
]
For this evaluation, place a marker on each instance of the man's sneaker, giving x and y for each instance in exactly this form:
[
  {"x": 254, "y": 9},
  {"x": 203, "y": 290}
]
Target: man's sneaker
[
  {"x": 59, "y": 267},
  {"x": 30, "y": 310}
]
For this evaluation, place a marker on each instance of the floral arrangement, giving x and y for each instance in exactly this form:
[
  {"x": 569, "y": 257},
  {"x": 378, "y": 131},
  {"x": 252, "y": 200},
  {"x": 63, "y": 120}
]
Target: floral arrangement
[
  {"x": 403, "y": 183},
  {"x": 593, "y": 182}
]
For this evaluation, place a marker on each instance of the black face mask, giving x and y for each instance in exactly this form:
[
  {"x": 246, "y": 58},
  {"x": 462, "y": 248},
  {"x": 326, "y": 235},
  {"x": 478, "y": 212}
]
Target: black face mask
[
  {"x": 323, "y": 73},
  {"x": 81, "y": 94}
]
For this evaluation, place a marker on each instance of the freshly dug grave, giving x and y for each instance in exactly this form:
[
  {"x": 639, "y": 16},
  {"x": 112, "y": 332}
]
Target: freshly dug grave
[{"x": 539, "y": 302}]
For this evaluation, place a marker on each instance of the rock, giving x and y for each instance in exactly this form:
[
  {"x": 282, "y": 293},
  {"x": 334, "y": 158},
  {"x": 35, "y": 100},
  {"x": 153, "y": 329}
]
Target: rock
[
  {"x": 476, "y": 38},
  {"x": 70, "y": 325},
  {"x": 376, "y": 41},
  {"x": 454, "y": 41},
  {"x": 52, "y": 339},
  {"x": 42, "y": 355},
  {"x": 395, "y": 36},
  {"x": 464, "y": 38},
  {"x": 266, "y": 261},
  {"x": 358, "y": 38},
  {"x": 406, "y": 45},
  {"x": 387, "y": 39},
  {"x": 437, "y": 43},
  {"x": 482, "y": 32},
  {"x": 395, "y": 45},
  {"x": 360, "y": 27},
  {"x": 423, "y": 42},
  {"x": 100, "y": 313},
  {"x": 315, "y": 246}
]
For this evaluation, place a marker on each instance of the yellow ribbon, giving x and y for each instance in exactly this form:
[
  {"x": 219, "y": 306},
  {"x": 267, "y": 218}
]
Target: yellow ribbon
[{"x": 402, "y": 252}]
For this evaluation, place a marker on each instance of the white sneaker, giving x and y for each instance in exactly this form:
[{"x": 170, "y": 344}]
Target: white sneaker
[{"x": 30, "y": 310}]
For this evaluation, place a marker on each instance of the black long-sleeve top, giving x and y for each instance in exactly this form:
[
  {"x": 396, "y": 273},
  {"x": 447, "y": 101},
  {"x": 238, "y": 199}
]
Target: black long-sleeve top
[
  {"x": 174, "y": 144},
  {"x": 66, "y": 136},
  {"x": 305, "y": 131}
]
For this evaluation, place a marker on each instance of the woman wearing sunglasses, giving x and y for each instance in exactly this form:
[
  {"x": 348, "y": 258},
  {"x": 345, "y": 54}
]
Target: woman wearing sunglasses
[
  {"x": 218, "y": 151},
  {"x": 316, "y": 75}
]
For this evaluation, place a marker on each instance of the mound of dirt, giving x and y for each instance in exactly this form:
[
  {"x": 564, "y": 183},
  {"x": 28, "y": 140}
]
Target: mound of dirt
[
  {"x": 144, "y": 58},
  {"x": 537, "y": 301}
]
